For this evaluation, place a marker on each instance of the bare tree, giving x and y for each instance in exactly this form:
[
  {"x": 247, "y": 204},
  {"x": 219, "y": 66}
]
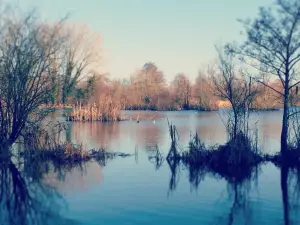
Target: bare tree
[
  {"x": 148, "y": 83},
  {"x": 155, "y": 83},
  {"x": 203, "y": 91},
  {"x": 26, "y": 49},
  {"x": 182, "y": 87},
  {"x": 273, "y": 47},
  {"x": 234, "y": 88},
  {"x": 267, "y": 98},
  {"x": 81, "y": 57}
]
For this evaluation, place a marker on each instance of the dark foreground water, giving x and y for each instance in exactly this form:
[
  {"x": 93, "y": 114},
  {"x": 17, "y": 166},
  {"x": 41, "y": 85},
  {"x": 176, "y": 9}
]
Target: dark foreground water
[{"x": 139, "y": 190}]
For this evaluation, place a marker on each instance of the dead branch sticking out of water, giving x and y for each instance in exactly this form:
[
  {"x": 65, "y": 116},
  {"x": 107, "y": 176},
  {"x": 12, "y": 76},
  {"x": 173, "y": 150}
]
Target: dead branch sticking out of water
[
  {"x": 173, "y": 153},
  {"x": 157, "y": 157}
]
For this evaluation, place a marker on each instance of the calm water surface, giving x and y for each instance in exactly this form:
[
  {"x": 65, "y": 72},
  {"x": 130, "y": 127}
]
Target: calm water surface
[{"x": 135, "y": 190}]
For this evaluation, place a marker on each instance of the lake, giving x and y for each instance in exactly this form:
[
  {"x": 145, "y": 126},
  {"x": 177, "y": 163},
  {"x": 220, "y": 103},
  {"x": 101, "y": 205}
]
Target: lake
[{"x": 138, "y": 190}]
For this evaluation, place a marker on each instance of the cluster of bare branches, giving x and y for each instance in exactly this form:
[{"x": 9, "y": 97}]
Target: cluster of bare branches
[
  {"x": 148, "y": 89},
  {"x": 27, "y": 48},
  {"x": 238, "y": 91},
  {"x": 39, "y": 61},
  {"x": 272, "y": 47}
]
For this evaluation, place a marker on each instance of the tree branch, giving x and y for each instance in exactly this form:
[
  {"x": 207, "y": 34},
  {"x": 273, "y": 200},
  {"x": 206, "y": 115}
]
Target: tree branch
[{"x": 263, "y": 83}]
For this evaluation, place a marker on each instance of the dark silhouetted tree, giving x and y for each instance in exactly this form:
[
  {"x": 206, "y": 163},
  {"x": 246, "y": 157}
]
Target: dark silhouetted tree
[{"x": 273, "y": 47}]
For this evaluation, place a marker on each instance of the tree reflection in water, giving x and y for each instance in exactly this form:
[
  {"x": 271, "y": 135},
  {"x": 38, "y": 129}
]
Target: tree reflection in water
[
  {"x": 25, "y": 199},
  {"x": 290, "y": 189},
  {"x": 175, "y": 173},
  {"x": 239, "y": 186}
]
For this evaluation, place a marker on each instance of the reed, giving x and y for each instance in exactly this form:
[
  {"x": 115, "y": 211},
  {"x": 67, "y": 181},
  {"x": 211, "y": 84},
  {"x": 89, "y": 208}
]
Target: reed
[
  {"x": 46, "y": 144},
  {"x": 66, "y": 152},
  {"x": 105, "y": 111}
]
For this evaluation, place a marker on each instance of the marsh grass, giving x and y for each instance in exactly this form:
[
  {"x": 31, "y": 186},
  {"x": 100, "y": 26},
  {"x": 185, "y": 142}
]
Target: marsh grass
[
  {"x": 234, "y": 160},
  {"x": 105, "y": 111},
  {"x": 66, "y": 152},
  {"x": 46, "y": 144},
  {"x": 239, "y": 151}
]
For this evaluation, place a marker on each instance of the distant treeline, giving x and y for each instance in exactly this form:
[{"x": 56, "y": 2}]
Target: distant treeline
[
  {"x": 148, "y": 89},
  {"x": 58, "y": 64}
]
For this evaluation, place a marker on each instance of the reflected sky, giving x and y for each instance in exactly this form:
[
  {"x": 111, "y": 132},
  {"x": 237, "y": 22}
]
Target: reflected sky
[
  {"x": 126, "y": 192},
  {"x": 130, "y": 191},
  {"x": 26, "y": 199},
  {"x": 153, "y": 130}
]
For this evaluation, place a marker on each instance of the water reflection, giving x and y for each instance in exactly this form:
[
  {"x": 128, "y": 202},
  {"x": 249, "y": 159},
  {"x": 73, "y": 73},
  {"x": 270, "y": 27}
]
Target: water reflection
[
  {"x": 290, "y": 188},
  {"x": 241, "y": 204},
  {"x": 32, "y": 191},
  {"x": 25, "y": 199},
  {"x": 241, "y": 210},
  {"x": 238, "y": 188},
  {"x": 101, "y": 133},
  {"x": 77, "y": 179},
  {"x": 156, "y": 157},
  {"x": 154, "y": 130},
  {"x": 285, "y": 193},
  {"x": 259, "y": 195},
  {"x": 149, "y": 135},
  {"x": 174, "y": 166}
]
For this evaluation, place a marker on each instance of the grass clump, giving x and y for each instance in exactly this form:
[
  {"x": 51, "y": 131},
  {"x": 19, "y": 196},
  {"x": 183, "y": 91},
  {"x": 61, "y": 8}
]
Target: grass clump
[
  {"x": 197, "y": 152},
  {"x": 237, "y": 152},
  {"x": 65, "y": 152},
  {"x": 45, "y": 144},
  {"x": 105, "y": 111},
  {"x": 234, "y": 160}
]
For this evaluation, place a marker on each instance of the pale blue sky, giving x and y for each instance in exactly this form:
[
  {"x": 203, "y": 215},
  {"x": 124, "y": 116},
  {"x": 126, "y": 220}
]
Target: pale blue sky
[{"x": 178, "y": 35}]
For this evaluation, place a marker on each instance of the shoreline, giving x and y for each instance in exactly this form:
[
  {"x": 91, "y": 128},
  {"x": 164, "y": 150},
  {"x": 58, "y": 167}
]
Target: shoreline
[{"x": 169, "y": 110}]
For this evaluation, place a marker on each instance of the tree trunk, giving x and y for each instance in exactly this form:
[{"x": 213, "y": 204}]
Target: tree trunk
[
  {"x": 285, "y": 121},
  {"x": 4, "y": 150},
  {"x": 235, "y": 125}
]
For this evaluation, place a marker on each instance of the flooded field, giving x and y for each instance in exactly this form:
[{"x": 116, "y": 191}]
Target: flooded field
[{"x": 138, "y": 190}]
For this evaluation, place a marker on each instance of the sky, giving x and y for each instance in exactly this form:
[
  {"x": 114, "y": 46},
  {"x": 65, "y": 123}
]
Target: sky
[{"x": 177, "y": 35}]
